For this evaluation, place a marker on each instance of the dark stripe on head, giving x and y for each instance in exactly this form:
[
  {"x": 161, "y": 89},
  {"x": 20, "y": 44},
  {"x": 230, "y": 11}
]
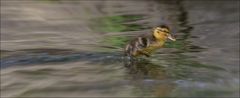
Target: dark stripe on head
[{"x": 163, "y": 26}]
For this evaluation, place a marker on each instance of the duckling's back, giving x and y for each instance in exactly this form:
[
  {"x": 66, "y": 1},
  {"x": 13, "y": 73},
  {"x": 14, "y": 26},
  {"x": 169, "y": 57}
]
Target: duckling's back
[{"x": 139, "y": 46}]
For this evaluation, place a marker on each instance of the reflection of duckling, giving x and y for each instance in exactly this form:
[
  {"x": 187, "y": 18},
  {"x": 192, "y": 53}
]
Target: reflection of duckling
[
  {"x": 143, "y": 70},
  {"x": 145, "y": 44}
]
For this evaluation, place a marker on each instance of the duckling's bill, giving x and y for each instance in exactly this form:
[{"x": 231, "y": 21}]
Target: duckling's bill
[{"x": 171, "y": 37}]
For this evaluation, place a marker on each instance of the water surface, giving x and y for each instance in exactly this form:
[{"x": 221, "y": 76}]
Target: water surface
[{"x": 56, "y": 48}]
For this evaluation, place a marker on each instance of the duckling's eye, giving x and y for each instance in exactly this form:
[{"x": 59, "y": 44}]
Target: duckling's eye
[
  {"x": 162, "y": 31},
  {"x": 166, "y": 31}
]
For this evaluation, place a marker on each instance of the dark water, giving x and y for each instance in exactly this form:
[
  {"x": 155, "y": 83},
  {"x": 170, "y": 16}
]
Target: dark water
[{"x": 56, "y": 48}]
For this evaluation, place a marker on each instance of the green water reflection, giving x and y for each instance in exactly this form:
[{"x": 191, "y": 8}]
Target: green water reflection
[{"x": 117, "y": 23}]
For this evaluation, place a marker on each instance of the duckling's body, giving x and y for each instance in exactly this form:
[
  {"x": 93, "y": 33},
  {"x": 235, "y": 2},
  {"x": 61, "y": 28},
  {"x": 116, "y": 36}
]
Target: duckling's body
[{"x": 146, "y": 44}]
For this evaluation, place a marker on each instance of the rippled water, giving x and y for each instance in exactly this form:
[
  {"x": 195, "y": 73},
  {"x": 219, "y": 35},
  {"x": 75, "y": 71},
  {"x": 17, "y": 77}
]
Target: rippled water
[{"x": 56, "y": 48}]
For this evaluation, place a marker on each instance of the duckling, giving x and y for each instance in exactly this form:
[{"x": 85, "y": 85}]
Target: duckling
[{"x": 146, "y": 44}]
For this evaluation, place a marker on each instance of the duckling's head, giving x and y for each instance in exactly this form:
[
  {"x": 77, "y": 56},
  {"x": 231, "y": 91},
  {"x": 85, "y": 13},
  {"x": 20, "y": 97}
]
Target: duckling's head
[{"x": 162, "y": 32}]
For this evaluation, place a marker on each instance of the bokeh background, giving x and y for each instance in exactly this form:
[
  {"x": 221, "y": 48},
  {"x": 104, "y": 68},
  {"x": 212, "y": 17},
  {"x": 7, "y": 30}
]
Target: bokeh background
[{"x": 73, "y": 48}]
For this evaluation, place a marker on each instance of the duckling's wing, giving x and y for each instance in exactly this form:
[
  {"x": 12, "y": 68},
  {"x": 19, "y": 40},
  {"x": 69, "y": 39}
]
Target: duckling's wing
[
  {"x": 143, "y": 42},
  {"x": 136, "y": 46}
]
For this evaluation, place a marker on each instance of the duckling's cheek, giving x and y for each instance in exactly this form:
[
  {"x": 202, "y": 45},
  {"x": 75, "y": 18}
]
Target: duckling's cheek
[{"x": 165, "y": 37}]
